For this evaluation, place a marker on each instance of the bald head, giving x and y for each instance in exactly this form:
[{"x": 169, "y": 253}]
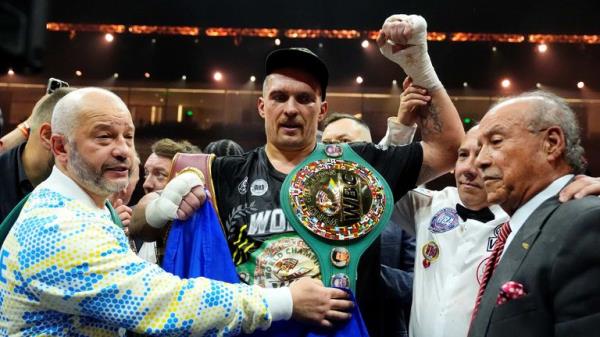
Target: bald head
[
  {"x": 93, "y": 141},
  {"x": 67, "y": 113},
  {"x": 344, "y": 128}
]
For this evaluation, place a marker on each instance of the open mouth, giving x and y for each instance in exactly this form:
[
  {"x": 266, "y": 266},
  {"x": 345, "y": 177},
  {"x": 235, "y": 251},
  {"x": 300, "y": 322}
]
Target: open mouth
[{"x": 118, "y": 170}]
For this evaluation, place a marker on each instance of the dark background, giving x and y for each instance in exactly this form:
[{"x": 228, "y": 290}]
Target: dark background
[{"x": 168, "y": 57}]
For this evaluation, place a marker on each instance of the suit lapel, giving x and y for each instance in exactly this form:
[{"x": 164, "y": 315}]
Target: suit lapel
[{"x": 511, "y": 261}]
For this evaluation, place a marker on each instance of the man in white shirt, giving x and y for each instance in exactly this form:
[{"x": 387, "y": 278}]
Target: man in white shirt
[
  {"x": 455, "y": 231},
  {"x": 543, "y": 276}
]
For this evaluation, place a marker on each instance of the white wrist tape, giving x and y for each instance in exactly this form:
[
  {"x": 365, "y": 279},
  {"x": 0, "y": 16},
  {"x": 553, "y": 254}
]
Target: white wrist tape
[
  {"x": 414, "y": 60},
  {"x": 165, "y": 207}
]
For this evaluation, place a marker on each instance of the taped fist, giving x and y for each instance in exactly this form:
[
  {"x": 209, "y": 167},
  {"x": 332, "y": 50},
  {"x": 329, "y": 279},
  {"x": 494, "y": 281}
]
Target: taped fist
[
  {"x": 182, "y": 196},
  {"x": 403, "y": 40}
]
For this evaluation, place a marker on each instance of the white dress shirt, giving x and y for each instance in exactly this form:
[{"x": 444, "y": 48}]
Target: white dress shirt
[{"x": 444, "y": 292}]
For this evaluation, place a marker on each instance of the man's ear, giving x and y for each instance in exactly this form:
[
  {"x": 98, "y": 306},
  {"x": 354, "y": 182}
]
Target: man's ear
[
  {"x": 323, "y": 111},
  {"x": 45, "y": 132},
  {"x": 261, "y": 107},
  {"x": 58, "y": 145},
  {"x": 554, "y": 143}
]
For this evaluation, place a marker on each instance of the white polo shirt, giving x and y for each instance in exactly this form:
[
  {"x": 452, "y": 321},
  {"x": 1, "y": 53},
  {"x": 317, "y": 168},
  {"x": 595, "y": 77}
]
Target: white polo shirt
[{"x": 449, "y": 260}]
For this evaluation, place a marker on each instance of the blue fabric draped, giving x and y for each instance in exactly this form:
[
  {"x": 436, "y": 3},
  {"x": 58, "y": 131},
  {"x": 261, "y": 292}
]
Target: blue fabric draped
[{"x": 197, "y": 248}]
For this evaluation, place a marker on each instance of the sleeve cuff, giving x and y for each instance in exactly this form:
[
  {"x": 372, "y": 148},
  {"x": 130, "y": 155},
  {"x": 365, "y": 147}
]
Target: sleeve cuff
[
  {"x": 399, "y": 133},
  {"x": 280, "y": 303}
]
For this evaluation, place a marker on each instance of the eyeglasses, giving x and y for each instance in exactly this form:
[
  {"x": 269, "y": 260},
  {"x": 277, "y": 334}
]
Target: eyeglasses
[{"x": 55, "y": 84}]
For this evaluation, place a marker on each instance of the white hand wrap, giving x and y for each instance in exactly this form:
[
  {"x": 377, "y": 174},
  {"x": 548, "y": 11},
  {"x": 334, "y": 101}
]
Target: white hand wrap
[
  {"x": 414, "y": 60},
  {"x": 165, "y": 207}
]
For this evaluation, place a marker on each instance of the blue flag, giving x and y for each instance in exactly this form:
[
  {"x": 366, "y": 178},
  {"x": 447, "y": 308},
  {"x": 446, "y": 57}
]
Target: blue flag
[{"x": 197, "y": 248}]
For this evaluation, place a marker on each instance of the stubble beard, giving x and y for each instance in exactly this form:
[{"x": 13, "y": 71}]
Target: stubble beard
[{"x": 91, "y": 178}]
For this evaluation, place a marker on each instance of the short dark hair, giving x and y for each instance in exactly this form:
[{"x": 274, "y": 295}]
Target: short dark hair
[
  {"x": 168, "y": 148},
  {"x": 224, "y": 147},
  {"x": 336, "y": 116},
  {"x": 42, "y": 111}
]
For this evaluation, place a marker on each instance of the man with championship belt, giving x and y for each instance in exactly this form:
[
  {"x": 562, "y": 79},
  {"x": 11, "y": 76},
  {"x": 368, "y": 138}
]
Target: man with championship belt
[{"x": 265, "y": 248}]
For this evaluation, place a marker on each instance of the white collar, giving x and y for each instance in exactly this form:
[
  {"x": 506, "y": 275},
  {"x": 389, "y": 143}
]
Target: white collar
[
  {"x": 522, "y": 214},
  {"x": 64, "y": 185}
]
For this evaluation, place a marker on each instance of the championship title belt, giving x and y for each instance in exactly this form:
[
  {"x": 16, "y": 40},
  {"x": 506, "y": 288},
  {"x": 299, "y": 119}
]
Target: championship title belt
[{"x": 338, "y": 204}]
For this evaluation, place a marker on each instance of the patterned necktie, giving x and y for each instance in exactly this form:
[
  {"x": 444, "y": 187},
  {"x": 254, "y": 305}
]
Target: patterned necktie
[{"x": 491, "y": 264}]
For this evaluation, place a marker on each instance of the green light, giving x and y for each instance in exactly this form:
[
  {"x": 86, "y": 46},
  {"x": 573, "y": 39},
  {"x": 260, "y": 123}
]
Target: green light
[
  {"x": 189, "y": 113},
  {"x": 467, "y": 120}
]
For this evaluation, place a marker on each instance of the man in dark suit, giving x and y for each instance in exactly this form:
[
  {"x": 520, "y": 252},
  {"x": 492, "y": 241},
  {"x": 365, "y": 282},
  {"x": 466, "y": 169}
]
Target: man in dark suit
[{"x": 545, "y": 280}]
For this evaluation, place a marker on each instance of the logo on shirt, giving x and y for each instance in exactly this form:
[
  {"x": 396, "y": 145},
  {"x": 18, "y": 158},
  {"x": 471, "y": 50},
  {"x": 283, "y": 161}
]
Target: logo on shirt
[
  {"x": 243, "y": 186},
  {"x": 444, "y": 220},
  {"x": 259, "y": 187},
  {"x": 492, "y": 239}
]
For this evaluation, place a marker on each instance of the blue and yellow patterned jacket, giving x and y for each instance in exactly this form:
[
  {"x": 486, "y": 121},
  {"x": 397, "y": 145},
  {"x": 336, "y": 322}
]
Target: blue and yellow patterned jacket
[{"x": 66, "y": 270}]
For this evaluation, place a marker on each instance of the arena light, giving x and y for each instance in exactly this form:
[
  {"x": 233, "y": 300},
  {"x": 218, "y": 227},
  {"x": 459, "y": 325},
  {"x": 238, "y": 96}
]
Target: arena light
[
  {"x": 277, "y": 42},
  {"x": 217, "y": 76},
  {"x": 109, "y": 37},
  {"x": 505, "y": 83},
  {"x": 147, "y": 75},
  {"x": 365, "y": 44},
  {"x": 465, "y": 84},
  {"x": 394, "y": 82},
  {"x": 252, "y": 32},
  {"x": 183, "y": 77},
  {"x": 542, "y": 48},
  {"x": 482, "y": 37},
  {"x": 78, "y": 73},
  {"x": 580, "y": 85},
  {"x": 11, "y": 72},
  {"x": 252, "y": 78},
  {"x": 76, "y": 27},
  {"x": 116, "y": 75},
  {"x": 309, "y": 33},
  {"x": 538, "y": 85},
  {"x": 164, "y": 30},
  {"x": 359, "y": 79},
  {"x": 563, "y": 38}
]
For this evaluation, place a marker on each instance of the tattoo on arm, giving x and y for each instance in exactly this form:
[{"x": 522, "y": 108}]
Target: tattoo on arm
[{"x": 431, "y": 121}]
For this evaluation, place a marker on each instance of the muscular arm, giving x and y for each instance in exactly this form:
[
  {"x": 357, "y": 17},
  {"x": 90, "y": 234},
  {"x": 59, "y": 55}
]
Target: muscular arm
[
  {"x": 403, "y": 40},
  {"x": 442, "y": 132}
]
